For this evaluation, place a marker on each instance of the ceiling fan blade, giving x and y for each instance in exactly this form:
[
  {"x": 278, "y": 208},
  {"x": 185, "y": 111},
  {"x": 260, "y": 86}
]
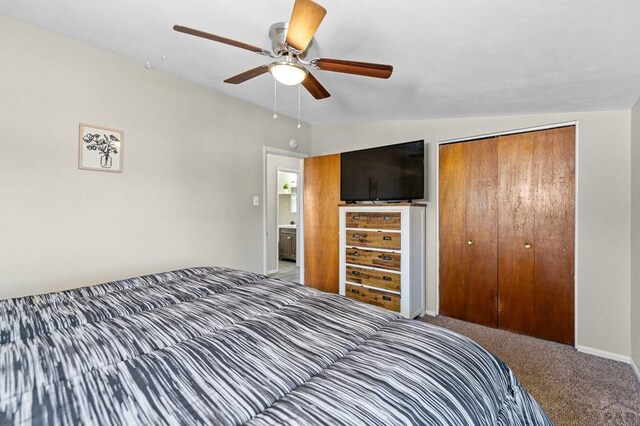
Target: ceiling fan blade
[
  {"x": 248, "y": 75},
  {"x": 305, "y": 20},
  {"x": 219, "y": 39},
  {"x": 351, "y": 67},
  {"x": 314, "y": 87}
]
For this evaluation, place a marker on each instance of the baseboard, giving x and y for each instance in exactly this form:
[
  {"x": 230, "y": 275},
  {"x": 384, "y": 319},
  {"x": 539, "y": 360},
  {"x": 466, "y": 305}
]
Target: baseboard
[
  {"x": 273, "y": 271},
  {"x": 635, "y": 369},
  {"x": 430, "y": 313},
  {"x": 604, "y": 354}
]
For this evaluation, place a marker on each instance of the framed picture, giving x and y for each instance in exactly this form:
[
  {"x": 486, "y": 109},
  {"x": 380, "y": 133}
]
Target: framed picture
[{"x": 100, "y": 148}]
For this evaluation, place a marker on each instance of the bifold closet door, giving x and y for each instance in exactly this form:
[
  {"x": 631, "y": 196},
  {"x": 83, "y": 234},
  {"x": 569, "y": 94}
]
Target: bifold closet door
[
  {"x": 468, "y": 231},
  {"x": 536, "y": 174},
  {"x": 321, "y": 239}
]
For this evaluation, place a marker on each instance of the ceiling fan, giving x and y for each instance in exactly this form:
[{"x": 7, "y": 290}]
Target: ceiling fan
[{"x": 290, "y": 42}]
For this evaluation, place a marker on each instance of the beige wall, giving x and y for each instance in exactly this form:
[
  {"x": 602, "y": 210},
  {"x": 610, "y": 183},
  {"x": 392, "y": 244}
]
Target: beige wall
[
  {"x": 603, "y": 245},
  {"x": 635, "y": 235},
  {"x": 285, "y": 216},
  {"x": 192, "y": 163}
]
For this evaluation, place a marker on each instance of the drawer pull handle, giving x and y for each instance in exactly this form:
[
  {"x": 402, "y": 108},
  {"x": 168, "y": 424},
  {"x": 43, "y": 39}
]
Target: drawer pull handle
[
  {"x": 386, "y": 278},
  {"x": 386, "y": 298},
  {"x": 356, "y": 235},
  {"x": 356, "y": 254},
  {"x": 387, "y": 218},
  {"x": 387, "y": 258},
  {"x": 288, "y": 238},
  {"x": 353, "y": 290},
  {"x": 386, "y": 238},
  {"x": 356, "y": 217},
  {"x": 355, "y": 272}
]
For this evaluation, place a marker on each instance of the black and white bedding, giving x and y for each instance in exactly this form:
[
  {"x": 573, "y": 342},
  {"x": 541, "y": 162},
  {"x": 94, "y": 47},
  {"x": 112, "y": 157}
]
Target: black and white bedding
[{"x": 221, "y": 346}]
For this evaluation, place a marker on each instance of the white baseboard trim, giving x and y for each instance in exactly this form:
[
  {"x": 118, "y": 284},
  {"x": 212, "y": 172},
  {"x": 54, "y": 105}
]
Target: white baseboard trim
[
  {"x": 430, "y": 313},
  {"x": 635, "y": 369},
  {"x": 603, "y": 354},
  {"x": 273, "y": 271}
]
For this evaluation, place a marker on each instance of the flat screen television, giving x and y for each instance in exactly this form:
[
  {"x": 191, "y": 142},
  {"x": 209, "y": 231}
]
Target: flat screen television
[{"x": 389, "y": 173}]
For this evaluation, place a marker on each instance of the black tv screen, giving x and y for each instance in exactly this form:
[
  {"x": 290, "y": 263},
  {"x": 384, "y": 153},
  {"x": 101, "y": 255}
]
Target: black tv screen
[{"x": 393, "y": 172}]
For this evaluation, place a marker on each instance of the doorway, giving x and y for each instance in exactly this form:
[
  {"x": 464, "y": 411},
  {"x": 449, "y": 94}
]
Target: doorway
[
  {"x": 288, "y": 264},
  {"x": 282, "y": 206}
]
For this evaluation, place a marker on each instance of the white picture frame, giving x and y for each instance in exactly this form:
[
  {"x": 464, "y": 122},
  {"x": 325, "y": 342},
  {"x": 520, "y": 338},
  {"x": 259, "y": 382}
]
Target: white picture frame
[{"x": 100, "y": 148}]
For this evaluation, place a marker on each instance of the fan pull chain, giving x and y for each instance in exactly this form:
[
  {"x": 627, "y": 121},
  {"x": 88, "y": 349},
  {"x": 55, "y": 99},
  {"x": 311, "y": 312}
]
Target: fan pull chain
[
  {"x": 299, "y": 125},
  {"x": 275, "y": 99}
]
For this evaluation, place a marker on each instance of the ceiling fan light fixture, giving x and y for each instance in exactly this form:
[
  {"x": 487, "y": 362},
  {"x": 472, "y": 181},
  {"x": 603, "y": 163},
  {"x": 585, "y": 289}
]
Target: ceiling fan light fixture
[{"x": 288, "y": 73}]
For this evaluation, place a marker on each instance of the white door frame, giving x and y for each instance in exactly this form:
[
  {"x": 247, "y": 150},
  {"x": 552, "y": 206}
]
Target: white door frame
[
  {"x": 266, "y": 150},
  {"x": 577, "y": 192}
]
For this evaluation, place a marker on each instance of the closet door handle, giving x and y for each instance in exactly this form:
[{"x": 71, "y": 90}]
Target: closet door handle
[
  {"x": 527, "y": 245},
  {"x": 470, "y": 242}
]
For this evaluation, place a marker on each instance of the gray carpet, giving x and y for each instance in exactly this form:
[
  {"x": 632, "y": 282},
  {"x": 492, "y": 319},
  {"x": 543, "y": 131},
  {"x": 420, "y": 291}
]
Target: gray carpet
[{"x": 572, "y": 387}]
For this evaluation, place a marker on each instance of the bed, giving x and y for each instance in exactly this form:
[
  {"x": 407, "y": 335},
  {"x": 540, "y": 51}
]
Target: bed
[{"x": 221, "y": 346}]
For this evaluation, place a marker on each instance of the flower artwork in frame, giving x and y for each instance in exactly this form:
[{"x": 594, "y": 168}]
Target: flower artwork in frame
[{"x": 100, "y": 148}]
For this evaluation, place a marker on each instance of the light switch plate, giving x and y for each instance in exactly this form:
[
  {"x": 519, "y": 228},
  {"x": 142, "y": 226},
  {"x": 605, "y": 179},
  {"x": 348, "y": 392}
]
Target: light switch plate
[{"x": 256, "y": 200}]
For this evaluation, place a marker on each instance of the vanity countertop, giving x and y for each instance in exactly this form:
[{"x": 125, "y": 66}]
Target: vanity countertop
[{"x": 288, "y": 226}]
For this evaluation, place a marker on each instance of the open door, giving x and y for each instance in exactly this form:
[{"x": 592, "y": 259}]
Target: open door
[{"x": 321, "y": 199}]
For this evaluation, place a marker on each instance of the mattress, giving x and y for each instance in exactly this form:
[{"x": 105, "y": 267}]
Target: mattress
[{"x": 221, "y": 346}]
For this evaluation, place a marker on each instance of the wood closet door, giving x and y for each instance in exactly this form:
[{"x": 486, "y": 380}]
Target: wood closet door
[
  {"x": 468, "y": 231},
  {"x": 536, "y": 233},
  {"x": 321, "y": 239}
]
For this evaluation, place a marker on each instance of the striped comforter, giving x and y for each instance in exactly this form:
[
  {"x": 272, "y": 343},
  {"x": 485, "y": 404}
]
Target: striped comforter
[{"x": 221, "y": 346}]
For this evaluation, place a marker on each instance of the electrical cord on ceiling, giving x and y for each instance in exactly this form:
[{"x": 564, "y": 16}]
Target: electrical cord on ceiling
[
  {"x": 275, "y": 99},
  {"x": 299, "y": 125}
]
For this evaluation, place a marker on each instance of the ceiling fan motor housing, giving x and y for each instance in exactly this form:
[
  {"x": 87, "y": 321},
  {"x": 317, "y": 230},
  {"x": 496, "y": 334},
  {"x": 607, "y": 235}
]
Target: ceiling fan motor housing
[{"x": 278, "y": 35}]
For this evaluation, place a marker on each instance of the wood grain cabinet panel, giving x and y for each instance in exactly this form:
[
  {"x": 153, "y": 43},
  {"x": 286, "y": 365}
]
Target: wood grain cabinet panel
[
  {"x": 376, "y": 258},
  {"x": 378, "y": 239},
  {"x": 373, "y": 220},
  {"x": 379, "y": 298},
  {"x": 386, "y": 280}
]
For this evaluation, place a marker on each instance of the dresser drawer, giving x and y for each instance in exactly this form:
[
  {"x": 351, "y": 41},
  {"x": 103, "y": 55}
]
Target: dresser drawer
[
  {"x": 375, "y": 239},
  {"x": 379, "y": 259},
  {"x": 390, "y": 301},
  {"x": 380, "y": 279},
  {"x": 373, "y": 220}
]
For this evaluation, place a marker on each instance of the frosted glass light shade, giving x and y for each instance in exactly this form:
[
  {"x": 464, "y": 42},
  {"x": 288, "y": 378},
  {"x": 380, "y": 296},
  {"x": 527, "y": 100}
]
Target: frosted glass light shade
[{"x": 286, "y": 73}]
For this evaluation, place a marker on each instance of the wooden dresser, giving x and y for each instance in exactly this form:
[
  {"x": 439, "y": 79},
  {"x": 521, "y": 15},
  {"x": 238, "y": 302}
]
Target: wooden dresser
[{"x": 382, "y": 256}]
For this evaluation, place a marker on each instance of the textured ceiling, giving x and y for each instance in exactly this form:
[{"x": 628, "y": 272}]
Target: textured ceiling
[{"x": 451, "y": 58}]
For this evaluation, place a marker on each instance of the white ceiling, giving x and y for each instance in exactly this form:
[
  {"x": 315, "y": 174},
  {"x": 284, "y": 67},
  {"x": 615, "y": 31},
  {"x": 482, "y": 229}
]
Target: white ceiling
[{"x": 451, "y": 58}]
